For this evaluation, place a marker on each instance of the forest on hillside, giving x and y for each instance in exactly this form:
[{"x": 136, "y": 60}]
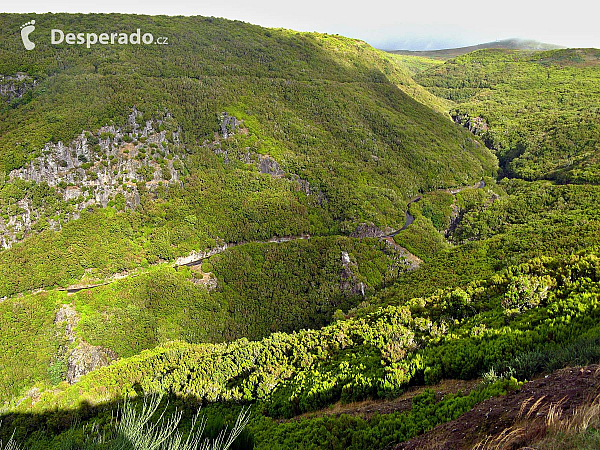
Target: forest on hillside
[{"x": 277, "y": 231}]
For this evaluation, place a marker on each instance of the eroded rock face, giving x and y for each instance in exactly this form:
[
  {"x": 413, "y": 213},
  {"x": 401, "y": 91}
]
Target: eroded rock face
[
  {"x": 198, "y": 256},
  {"x": 106, "y": 160},
  {"x": 349, "y": 281},
  {"x": 96, "y": 168},
  {"x": 35, "y": 394},
  {"x": 366, "y": 230},
  {"x": 15, "y": 86},
  {"x": 68, "y": 316},
  {"x": 84, "y": 358},
  {"x": 476, "y": 125},
  {"x": 268, "y": 165},
  {"x": 228, "y": 125}
]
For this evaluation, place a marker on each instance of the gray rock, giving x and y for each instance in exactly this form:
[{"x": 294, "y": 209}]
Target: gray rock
[
  {"x": 366, "y": 230},
  {"x": 68, "y": 316},
  {"x": 268, "y": 165},
  {"x": 85, "y": 358},
  {"x": 345, "y": 258},
  {"x": 228, "y": 125},
  {"x": 15, "y": 86},
  {"x": 94, "y": 171},
  {"x": 349, "y": 282}
]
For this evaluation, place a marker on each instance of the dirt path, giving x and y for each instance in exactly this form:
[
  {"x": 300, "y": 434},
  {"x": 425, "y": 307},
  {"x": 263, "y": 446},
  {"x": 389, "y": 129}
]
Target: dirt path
[
  {"x": 368, "y": 408},
  {"x": 196, "y": 258},
  {"x": 517, "y": 419},
  {"x": 193, "y": 259}
]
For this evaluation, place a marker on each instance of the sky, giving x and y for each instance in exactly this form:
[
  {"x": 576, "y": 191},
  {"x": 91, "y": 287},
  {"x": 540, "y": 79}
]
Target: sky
[{"x": 388, "y": 25}]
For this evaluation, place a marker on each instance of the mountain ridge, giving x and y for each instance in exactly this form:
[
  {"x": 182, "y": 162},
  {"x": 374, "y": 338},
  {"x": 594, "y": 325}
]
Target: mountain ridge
[
  {"x": 507, "y": 44},
  {"x": 150, "y": 196}
]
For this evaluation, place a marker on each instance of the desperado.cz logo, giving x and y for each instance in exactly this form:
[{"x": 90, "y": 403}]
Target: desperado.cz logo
[
  {"x": 26, "y": 30},
  {"x": 89, "y": 39}
]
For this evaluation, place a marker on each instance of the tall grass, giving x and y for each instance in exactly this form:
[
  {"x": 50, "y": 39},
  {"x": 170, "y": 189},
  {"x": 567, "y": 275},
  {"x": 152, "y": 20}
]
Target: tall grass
[
  {"x": 134, "y": 428},
  {"x": 579, "y": 430},
  {"x": 549, "y": 427},
  {"x": 10, "y": 445}
]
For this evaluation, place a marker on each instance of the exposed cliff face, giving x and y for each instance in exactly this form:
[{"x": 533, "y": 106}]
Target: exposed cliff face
[
  {"x": 97, "y": 165},
  {"x": 15, "y": 86},
  {"x": 95, "y": 169},
  {"x": 230, "y": 126},
  {"x": 349, "y": 281},
  {"x": 108, "y": 167},
  {"x": 476, "y": 125},
  {"x": 369, "y": 230},
  {"x": 84, "y": 357},
  {"x": 67, "y": 316}
]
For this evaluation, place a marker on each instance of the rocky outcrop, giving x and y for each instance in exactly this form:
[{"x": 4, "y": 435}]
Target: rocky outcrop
[
  {"x": 68, "y": 316},
  {"x": 349, "y": 281},
  {"x": 96, "y": 168},
  {"x": 229, "y": 124},
  {"x": 196, "y": 257},
  {"x": 207, "y": 280},
  {"x": 407, "y": 261},
  {"x": 84, "y": 358},
  {"x": 268, "y": 165},
  {"x": 366, "y": 230},
  {"x": 97, "y": 165},
  {"x": 476, "y": 125},
  {"x": 305, "y": 187},
  {"x": 15, "y": 86}
]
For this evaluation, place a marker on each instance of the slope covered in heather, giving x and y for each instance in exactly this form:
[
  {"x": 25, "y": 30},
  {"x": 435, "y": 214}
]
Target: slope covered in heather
[
  {"x": 120, "y": 160},
  {"x": 221, "y": 220},
  {"x": 164, "y": 133},
  {"x": 537, "y": 110}
]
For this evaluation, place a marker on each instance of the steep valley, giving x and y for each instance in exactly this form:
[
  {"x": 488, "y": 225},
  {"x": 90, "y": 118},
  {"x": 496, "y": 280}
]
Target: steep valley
[{"x": 357, "y": 246}]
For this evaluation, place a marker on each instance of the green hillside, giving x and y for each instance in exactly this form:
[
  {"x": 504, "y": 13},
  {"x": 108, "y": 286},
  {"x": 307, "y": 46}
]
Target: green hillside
[
  {"x": 305, "y": 109},
  {"x": 357, "y": 246},
  {"x": 519, "y": 318},
  {"x": 538, "y": 110}
]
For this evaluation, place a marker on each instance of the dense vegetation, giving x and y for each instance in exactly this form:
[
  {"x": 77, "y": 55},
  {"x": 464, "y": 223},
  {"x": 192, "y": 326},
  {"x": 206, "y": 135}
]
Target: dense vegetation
[
  {"x": 311, "y": 138},
  {"x": 382, "y": 430},
  {"x": 537, "y": 110},
  {"x": 319, "y": 105},
  {"x": 143, "y": 425},
  {"x": 500, "y": 225},
  {"x": 178, "y": 221},
  {"x": 302, "y": 82},
  {"x": 457, "y": 333},
  {"x": 261, "y": 288}
]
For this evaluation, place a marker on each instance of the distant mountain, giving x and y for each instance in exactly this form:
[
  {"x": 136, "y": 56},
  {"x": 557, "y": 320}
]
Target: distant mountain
[{"x": 510, "y": 44}]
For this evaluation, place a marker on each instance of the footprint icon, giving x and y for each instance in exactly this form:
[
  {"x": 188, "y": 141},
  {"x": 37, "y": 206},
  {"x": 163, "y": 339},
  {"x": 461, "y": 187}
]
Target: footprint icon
[{"x": 26, "y": 30}]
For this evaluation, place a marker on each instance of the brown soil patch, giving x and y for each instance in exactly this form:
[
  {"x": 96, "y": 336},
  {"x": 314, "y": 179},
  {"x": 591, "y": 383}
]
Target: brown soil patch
[
  {"x": 368, "y": 408},
  {"x": 517, "y": 419}
]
